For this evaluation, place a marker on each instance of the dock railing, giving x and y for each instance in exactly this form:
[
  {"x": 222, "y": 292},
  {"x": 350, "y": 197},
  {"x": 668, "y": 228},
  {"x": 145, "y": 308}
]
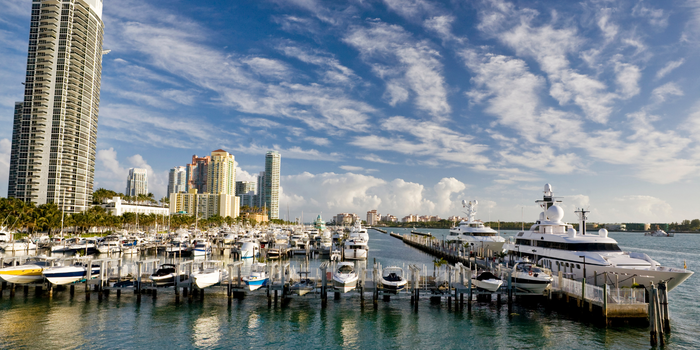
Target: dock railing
[{"x": 596, "y": 295}]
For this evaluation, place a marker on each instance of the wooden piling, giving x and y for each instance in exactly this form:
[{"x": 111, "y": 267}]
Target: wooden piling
[
  {"x": 663, "y": 290},
  {"x": 12, "y": 290}
]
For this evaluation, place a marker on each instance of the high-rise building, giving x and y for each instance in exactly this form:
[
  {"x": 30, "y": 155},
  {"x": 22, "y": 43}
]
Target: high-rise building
[
  {"x": 197, "y": 173},
  {"x": 53, "y": 143},
  {"x": 136, "y": 182},
  {"x": 260, "y": 196},
  {"x": 221, "y": 173},
  {"x": 177, "y": 180},
  {"x": 272, "y": 183},
  {"x": 373, "y": 217},
  {"x": 244, "y": 187}
]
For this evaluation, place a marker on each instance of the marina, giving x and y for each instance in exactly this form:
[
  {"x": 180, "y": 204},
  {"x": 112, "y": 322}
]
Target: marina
[{"x": 128, "y": 280}]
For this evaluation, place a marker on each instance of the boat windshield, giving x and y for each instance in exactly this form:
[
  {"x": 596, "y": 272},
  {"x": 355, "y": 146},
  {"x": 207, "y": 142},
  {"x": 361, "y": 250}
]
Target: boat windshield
[{"x": 346, "y": 269}]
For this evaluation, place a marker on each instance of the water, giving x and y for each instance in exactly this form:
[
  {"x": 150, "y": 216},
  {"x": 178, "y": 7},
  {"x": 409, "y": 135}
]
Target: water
[{"x": 62, "y": 322}]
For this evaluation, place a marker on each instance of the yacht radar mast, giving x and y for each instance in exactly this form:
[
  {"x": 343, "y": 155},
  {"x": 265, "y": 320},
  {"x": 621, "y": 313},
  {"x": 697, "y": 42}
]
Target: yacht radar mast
[
  {"x": 582, "y": 217},
  {"x": 470, "y": 209},
  {"x": 548, "y": 199}
]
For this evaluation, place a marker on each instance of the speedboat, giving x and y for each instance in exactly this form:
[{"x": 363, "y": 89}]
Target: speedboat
[
  {"x": 304, "y": 285},
  {"x": 659, "y": 233},
  {"x": 530, "y": 278},
  {"x": 61, "y": 275},
  {"x": 393, "y": 280},
  {"x": 345, "y": 277},
  {"x": 474, "y": 233},
  {"x": 558, "y": 246},
  {"x": 257, "y": 277},
  {"x": 487, "y": 281},
  {"x": 18, "y": 245},
  {"x": 109, "y": 245},
  {"x": 164, "y": 276},
  {"x": 209, "y": 276},
  {"x": 29, "y": 272},
  {"x": 201, "y": 247}
]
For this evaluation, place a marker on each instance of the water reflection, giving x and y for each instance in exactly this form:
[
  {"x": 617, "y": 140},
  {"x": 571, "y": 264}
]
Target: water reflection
[{"x": 206, "y": 332}]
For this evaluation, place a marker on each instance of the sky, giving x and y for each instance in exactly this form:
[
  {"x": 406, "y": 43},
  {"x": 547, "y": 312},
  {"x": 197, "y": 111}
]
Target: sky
[{"x": 404, "y": 106}]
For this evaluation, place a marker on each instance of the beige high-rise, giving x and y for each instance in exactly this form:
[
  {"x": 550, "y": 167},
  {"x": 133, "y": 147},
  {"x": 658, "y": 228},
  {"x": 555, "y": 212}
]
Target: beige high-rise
[
  {"x": 55, "y": 129},
  {"x": 221, "y": 173}
]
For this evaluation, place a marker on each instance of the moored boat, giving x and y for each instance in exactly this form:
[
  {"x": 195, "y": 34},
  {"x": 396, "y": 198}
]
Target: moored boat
[
  {"x": 345, "y": 277},
  {"x": 392, "y": 280},
  {"x": 29, "y": 272},
  {"x": 487, "y": 281},
  {"x": 257, "y": 277},
  {"x": 526, "y": 277}
]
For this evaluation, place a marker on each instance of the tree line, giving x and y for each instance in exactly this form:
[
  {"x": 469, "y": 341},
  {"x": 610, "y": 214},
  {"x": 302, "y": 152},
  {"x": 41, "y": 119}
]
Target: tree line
[{"x": 16, "y": 215}]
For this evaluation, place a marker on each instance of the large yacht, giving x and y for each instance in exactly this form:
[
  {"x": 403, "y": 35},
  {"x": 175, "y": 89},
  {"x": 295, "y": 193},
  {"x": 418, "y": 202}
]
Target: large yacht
[
  {"x": 474, "y": 232},
  {"x": 558, "y": 246}
]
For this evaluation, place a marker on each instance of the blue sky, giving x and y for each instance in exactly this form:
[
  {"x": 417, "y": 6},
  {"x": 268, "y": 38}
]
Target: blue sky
[{"x": 405, "y": 106}]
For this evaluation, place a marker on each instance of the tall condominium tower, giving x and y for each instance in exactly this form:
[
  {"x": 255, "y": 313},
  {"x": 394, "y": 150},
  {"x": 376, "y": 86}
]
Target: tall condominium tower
[
  {"x": 197, "y": 173},
  {"x": 272, "y": 183},
  {"x": 54, "y": 137},
  {"x": 221, "y": 173},
  {"x": 177, "y": 180},
  {"x": 137, "y": 182},
  {"x": 259, "y": 199}
]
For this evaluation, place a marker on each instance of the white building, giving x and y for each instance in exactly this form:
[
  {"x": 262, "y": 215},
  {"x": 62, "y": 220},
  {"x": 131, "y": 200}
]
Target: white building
[
  {"x": 177, "y": 180},
  {"x": 272, "y": 184},
  {"x": 136, "y": 182},
  {"x": 54, "y": 135},
  {"x": 116, "y": 206}
]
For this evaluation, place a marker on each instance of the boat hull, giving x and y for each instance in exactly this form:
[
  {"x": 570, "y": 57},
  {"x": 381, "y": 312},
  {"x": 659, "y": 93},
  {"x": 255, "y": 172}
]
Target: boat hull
[
  {"x": 207, "y": 279},
  {"x": 65, "y": 274},
  {"x": 488, "y": 285},
  {"x": 393, "y": 286},
  {"x": 355, "y": 254},
  {"x": 344, "y": 286},
  {"x": 255, "y": 284},
  {"x": 22, "y": 274}
]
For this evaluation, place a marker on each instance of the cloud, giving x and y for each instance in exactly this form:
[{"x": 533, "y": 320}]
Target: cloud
[
  {"x": 656, "y": 17},
  {"x": 292, "y": 152},
  {"x": 357, "y": 169},
  {"x": 110, "y": 174},
  {"x": 411, "y": 9},
  {"x": 430, "y": 140},
  {"x": 627, "y": 79},
  {"x": 319, "y": 141},
  {"x": 651, "y": 208},
  {"x": 661, "y": 93},
  {"x": 335, "y": 193},
  {"x": 406, "y": 64},
  {"x": 670, "y": 66},
  {"x": 375, "y": 158}
]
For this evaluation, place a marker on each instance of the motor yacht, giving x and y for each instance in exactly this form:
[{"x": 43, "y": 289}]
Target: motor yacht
[
  {"x": 474, "y": 233},
  {"x": 558, "y": 246},
  {"x": 18, "y": 245},
  {"x": 28, "y": 272}
]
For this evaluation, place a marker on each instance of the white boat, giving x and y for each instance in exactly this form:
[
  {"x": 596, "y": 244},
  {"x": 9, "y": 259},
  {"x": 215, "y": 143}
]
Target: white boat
[
  {"x": 393, "y": 280},
  {"x": 62, "y": 275},
  {"x": 164, "y": 276},
  {"x": 257, "y": 277},
  {"x": 201, "y": 247},
  {"x": 5, "y": 234},
  {"x": 474, "y": 233},
  {"x": 526, "y": 277},
  {"x": 659, "y": 233},
  {"x": 29, "y": 272},
  {"x": 335, "y": 255},
  {"x": 250, "y": 249},
  {"x": 345, "y": 277},
  {"x": 355, "y": 249},
  {"x": 18, "y": 245},
  {"x": 487, "y": 281},
  {"x": 211, "y": 274},
  {"x": 111, "y": 244},
  {"x": 557, "y": 246},
  {"x": 86, "y": 245}
]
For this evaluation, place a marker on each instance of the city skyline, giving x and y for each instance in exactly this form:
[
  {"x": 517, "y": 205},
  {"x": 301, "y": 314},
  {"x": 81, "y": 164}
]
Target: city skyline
[{"x": 402, "y": 106}]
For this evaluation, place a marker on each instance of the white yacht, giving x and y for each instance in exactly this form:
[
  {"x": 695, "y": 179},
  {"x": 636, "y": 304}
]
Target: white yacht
[
  {"x": 659, "y": 233},
  {"x": 474, "y": 233},
  {"x": 5, "y": 234},
  {"x": 557, "y": 246},
  {"x": 356, "y": 246},
  {"x": 530, "y": 278}
]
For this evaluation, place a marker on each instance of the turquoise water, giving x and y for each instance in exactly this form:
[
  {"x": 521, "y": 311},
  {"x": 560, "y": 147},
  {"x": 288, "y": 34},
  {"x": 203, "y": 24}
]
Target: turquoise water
[{"x": 62, "y": 322}]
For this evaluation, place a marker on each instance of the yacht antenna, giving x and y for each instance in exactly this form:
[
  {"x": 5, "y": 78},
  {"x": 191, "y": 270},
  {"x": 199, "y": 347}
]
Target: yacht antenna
[
  {"x": 582, "y": 220},
  {"x": 522, "y": 218}
]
